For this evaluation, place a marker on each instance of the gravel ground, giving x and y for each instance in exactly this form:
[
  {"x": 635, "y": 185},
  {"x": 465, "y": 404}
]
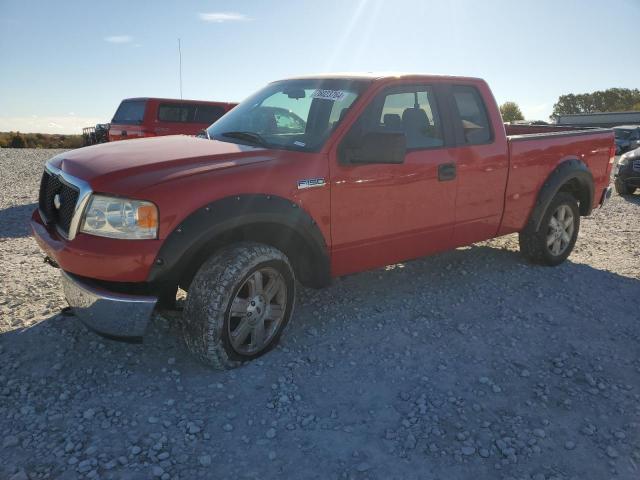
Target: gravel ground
[{"x": 466, "y": 365}]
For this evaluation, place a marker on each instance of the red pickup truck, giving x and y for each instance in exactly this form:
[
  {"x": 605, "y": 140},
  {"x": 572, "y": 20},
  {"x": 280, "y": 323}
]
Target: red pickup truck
[
  {"x": 153, "y": 117},
  {"x": 308, "y": 179}
]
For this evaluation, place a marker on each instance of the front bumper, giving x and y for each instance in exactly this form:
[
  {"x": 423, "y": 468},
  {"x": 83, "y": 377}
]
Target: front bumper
[
  {"x": 629, "y": 173},
  {"x": 606, "y": 195},
  {"x": 115, "y": 315}
]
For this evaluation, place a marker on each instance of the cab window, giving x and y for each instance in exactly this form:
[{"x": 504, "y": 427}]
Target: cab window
[
  {"x": 472, "y": 114},
  {"x": 411, "y": 110},
  {"x": 175, "y": 112}
]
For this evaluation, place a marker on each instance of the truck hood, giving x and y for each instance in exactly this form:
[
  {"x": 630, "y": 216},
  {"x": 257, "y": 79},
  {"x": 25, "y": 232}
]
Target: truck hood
[{"x": 132, "y": 165}]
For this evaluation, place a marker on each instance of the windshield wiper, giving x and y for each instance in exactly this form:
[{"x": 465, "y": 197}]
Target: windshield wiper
[{"x": 250, "y": 137}]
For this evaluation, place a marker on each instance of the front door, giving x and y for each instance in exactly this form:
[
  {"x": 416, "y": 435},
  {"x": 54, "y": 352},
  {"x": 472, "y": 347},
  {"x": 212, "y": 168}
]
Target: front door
[{"x": 385, "y": 213}]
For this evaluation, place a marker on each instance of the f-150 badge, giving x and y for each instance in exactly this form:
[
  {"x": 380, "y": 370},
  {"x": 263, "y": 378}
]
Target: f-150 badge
[{"x": 310, "y": 183}]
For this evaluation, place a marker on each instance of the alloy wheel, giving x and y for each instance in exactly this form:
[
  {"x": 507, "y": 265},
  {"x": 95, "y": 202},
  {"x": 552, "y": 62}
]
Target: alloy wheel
[{"x": 257, "y": 311}]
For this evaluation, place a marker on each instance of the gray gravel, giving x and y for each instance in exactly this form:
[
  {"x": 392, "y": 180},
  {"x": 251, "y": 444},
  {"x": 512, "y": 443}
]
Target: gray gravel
[{"x": 468, "y": 365}]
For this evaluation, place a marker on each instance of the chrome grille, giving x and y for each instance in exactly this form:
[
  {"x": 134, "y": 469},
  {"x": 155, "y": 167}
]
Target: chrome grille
[{"x": 62, "y": 200}]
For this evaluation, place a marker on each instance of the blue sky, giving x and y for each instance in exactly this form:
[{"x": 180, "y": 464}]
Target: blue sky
[{"x": 67, "y": 64}]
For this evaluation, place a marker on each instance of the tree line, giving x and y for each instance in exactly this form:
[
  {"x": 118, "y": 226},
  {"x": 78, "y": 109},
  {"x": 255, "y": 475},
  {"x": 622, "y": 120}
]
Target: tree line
[
  {"x": 611, "y": 100},
  {"x": 39, "y": 140}
]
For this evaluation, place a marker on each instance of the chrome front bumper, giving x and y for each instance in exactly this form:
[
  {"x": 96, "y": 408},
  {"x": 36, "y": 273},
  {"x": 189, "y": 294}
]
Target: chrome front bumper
[
  {"x": 111, "y": 314},
  {"x": 606, "y": 195}
]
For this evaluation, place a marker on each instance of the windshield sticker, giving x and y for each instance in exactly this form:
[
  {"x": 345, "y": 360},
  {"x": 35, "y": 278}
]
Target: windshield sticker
[
  {"x": 299, "y": 144},
  {"x": 333, "y": 95}
]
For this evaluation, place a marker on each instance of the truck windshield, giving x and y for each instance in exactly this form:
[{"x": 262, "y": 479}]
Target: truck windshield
[
  {"x": 291, "y": 114},
  {"x": 130, "y": 112}
]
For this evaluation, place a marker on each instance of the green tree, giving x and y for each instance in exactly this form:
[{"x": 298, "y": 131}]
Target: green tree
[
  {"x": 511, "y": 112},
  {"x": 17, "y": 141},
  {"x": 611, "y": 100}
]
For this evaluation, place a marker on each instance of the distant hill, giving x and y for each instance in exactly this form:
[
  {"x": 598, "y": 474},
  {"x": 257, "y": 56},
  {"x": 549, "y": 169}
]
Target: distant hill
[{"x": 39, "y": 140}]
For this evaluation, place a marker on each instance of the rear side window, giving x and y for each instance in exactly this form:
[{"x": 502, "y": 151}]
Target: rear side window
[
  {"x": 130, "y": 112},
  {"x": 473, "y": 114},
  {"x": 176, "y": 112},
  {"x": 208, "y": 113}
]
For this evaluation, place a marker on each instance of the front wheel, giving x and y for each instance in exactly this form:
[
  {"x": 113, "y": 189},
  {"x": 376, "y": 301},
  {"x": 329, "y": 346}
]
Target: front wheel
[
  {"x": 622, "y": 188},
  {"x": 238, "y": 305},
  {"x": 554, "y": 240}
]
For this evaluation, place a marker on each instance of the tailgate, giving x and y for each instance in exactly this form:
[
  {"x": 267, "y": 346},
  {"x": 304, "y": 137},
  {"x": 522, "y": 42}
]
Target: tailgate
[{"x": 125, "y": 132}]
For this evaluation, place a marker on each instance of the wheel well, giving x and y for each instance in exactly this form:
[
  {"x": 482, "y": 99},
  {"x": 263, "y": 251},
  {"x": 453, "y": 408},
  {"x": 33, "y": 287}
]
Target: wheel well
[
  {"x": 580, "y": 192},
  {"x": 310, "y": 266}
]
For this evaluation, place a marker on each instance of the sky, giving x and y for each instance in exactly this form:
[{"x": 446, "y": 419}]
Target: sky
[{"x": 68, "y": 64}]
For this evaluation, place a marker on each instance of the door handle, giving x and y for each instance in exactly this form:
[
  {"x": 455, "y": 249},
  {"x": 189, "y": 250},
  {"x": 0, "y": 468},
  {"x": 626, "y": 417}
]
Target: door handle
[{"x": 446, "y": 172}]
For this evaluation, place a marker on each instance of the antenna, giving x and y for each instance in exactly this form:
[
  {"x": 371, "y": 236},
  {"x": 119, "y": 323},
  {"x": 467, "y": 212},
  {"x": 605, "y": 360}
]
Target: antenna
[{"x": 180, "y": 55}]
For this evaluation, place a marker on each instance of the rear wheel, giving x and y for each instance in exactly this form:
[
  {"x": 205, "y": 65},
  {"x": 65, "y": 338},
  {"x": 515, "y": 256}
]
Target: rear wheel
[
  {"x": 623, "y": 189},
  {"x": 554, "y": 240},
  {"x": 238, "y": 305}
]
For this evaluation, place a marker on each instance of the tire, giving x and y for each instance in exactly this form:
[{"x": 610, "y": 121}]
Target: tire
[
  {"x": 622, "y": 188},
  {"x": 238, "y": 305},
  {"x": 534, "y": 244}
]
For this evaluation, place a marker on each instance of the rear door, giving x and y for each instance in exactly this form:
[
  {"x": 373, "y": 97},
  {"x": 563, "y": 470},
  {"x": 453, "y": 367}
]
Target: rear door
[
  {"x": 482, "y": 160},
  {"x": 385, "y": 213},
  {"x": 175, "y": 118}
]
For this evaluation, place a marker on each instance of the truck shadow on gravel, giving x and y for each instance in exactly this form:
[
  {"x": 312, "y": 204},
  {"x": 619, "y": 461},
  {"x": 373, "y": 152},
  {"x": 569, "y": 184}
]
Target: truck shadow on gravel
[
  {"x": 492, "y": 349},
  {"x": 456, "y": 286},
  {"x": 14, "y": 221}
]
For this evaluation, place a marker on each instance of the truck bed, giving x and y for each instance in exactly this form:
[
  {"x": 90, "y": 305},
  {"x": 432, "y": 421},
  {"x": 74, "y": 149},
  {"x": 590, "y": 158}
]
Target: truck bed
[{"x": 536, "y": 150}]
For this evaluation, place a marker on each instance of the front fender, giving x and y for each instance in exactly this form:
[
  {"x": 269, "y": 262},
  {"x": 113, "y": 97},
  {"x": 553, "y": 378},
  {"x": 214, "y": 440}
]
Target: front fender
[{"x": 205, "y": 230}]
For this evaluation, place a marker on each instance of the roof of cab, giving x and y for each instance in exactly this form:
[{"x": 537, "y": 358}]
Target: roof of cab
[
  {"x": 178, "y": 100},
  {"x": 376, "y": 76}
]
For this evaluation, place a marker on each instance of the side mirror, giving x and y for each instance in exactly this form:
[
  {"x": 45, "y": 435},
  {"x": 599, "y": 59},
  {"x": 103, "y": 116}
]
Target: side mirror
[{"x": 376, "y": 147}]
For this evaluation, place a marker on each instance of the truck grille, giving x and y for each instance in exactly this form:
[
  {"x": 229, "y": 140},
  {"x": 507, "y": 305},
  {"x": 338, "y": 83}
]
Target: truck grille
[{"x": 61, "y": 217}]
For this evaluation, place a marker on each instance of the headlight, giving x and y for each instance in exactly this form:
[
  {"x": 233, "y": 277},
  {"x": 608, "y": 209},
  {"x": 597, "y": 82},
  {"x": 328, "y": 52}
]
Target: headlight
[{"x": 120, "y": 218}]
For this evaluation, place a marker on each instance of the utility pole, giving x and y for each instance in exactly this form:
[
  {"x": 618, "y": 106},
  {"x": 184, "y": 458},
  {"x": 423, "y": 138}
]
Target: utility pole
[{"x": 180, "y": 55}]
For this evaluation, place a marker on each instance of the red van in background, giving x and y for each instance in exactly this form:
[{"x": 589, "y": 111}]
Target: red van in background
[{"x": 152, "y": 117}]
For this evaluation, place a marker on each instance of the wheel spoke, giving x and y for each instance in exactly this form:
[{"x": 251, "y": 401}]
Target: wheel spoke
[
  {"x": 550, "y": 239},
  {"x": 239, "y": 335},
  {"x": 275, "y": 312},
  {"x": 273, "y": 287},
  {"x": 561, "y": 213},
  {"x": 257, "y": 335},
  {"x": 565, "y": 237},
  {"x": 255, "y": 284},
  {"x": 239, "y": 307},
  {"x": 556, "y": 247},
  {"x": 554, "y": 222},
  {"x": 568, "y": 222}
]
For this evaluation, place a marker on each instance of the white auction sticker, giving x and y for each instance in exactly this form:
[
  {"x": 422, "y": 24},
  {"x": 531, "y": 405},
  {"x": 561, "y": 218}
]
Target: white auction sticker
[{"x": 333, "y": 95}]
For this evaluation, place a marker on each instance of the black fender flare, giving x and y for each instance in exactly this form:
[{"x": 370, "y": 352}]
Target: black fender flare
[
  {"x": 569, "y": 172},
  {"x": 292, "y": 229}
]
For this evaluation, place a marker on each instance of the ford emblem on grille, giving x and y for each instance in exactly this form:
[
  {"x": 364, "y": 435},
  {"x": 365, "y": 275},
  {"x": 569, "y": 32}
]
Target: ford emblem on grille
[{"x": 56, "y": 201}]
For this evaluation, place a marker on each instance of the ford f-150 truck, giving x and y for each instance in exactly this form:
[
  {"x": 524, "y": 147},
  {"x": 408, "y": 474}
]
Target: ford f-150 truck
[{"x": 308, "y": 179}]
